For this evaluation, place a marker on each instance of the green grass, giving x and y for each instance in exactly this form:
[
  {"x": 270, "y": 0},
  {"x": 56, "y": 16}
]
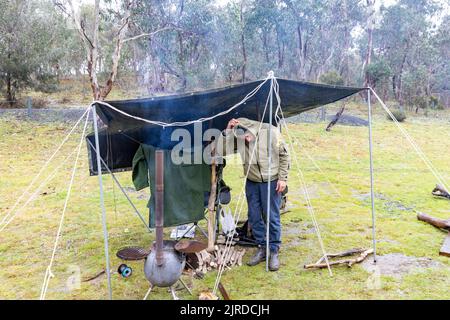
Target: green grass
[{"x": 345, "y": 220}]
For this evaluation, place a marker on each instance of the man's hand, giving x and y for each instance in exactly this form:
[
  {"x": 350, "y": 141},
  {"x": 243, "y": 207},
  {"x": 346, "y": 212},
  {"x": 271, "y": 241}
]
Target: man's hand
[
  {"x": 281, "y": 186},
  {"x": 232, "y": 123}
]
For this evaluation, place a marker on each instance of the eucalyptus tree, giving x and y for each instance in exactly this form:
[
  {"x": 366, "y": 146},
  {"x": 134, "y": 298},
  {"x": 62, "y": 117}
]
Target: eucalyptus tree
[
  {"x": 30, "y": 46},
  {"x": 404, "y": 30},
  {"x": 184, "y": 50}
]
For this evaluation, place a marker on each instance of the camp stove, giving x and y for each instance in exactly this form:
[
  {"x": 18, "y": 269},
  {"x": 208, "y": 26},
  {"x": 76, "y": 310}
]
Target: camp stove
[
  {"x": 169, "y": 271},
  {"x": 164, "y": 264},
  {"x": 166, "y": 259}
]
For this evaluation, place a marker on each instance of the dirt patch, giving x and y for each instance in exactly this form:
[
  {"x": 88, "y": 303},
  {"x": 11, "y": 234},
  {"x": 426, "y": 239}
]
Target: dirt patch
[
  {"x": 390, "y": 205},
  {"x": 396, "y": 264},
  {"x": 315, "y": 191},
  {"x": 298, "y": 229},
  {"x": 297, "y": 233}
]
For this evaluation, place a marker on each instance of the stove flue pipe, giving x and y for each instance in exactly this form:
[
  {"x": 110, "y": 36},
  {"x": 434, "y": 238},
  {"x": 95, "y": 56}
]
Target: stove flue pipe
[{"x": 159, "y": 206}]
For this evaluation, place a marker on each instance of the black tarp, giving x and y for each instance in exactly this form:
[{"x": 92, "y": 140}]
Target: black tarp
[{"x": 121, "y": 136}]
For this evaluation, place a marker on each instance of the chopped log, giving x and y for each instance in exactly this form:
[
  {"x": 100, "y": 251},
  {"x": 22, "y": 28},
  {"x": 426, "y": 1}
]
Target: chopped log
[
  {"x": 438, "y": 223},
  {"x": 349, "y": 262},
  {"x": 241, "y": 255},
  {"x": 199, "y": 258},
  {"x": 439, "y": 191},
  {"x": 445, "y": 250},
  {"x": 206, "y": 261}
]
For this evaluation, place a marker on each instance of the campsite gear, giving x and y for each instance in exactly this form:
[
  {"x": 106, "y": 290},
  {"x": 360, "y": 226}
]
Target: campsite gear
[
  {"x": 256, "y": 194},
  {"x": 203, "y": 261},
  {"x": 227, "y": 221},
  {"x": 183, "y": 231},
  {"x": 169, "y": 272},
  {"x": 274, "y": 263},
  {"x": 258, "y": 169},
  {"x": 245, "y": 236},
  {"x": 126, "y": 134},
  {"x": 145, "y": 123},
  {"x": 258, "y": 257},
  {"x": 132, "y": 253},
  {"x": 125, "y": 271},
  {"x": 183, "y": 200}
]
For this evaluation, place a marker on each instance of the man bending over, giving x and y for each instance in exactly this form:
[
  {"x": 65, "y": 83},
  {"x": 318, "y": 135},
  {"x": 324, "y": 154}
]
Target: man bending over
[{"x": 251, "y": 139}]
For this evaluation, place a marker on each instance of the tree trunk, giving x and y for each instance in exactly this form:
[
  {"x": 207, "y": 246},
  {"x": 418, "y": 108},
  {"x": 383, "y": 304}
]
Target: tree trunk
[
  {"x": 344, "y": 63},
  {"x": 301, "y": 53},
  {"x": 399, "y": 96},
  {"x": 10, "y": 96},
  {"x": 370, "y": 27},
  {"x": 244, "y": 53},
  {"x": 280, "y": 52}
]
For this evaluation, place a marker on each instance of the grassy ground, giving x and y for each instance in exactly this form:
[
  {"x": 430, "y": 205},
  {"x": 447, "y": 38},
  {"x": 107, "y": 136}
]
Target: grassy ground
[{"x": 401, "y": 180}]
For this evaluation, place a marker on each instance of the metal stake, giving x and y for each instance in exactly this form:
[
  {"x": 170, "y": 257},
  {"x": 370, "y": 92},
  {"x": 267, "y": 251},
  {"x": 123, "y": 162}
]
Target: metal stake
[
  {"x": 102, "y": 202},
  {"x": 268, "y": 177},
  {"x": 372, "y": 196},
  {"x": 185, "y": 286}
]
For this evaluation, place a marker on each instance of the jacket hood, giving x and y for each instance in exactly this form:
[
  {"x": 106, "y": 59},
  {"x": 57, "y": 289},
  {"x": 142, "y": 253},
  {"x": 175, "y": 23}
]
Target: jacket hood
[{"x": 251, "y": 125}]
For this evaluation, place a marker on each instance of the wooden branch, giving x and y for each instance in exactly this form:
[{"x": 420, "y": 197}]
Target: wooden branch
[
  {"x": 349, "y": 262},
  {"x": 335, "y": 119},
  {"x": 438, "y": 223},
  {"x": 148, "y": 34},
  {"x": 223, "y": 292},
  {"x": 440, "y": 191}
]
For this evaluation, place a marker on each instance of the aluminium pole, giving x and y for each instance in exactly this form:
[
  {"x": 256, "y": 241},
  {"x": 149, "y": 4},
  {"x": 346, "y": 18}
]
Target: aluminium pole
[
  {"x": 102, "y": 202},
  {"x": 269, "y": 175},
  {"x": 372, "y": 196}
]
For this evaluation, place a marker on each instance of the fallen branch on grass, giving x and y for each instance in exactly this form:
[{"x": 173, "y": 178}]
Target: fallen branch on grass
[
  {"x": 335, "y": 119},
  {"x": 94, "y": 277},
  {"x": 363, "y": 253},
  {"x": 441, "y": 224},
  {"x": 438, "y": 223},
  {"x": 439, "y": 191}
]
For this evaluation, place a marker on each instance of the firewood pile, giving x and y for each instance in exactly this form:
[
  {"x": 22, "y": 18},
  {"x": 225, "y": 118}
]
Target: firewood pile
[{"x": 204, "y": 261}]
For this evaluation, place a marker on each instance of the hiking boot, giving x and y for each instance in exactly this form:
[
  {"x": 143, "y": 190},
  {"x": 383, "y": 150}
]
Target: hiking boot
[
  {"x": 274, "y": 263},
  {"x": 259, "y": 256}
]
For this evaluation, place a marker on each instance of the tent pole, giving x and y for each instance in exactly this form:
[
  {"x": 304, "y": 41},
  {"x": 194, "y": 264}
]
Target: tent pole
[
  {"x": 372, "y": 196},
  {"x": 268, "y": 176},
  {"x": 102, "y": 201}
]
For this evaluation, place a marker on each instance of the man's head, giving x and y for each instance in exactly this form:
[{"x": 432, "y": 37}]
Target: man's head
[{"x": 242, "y": 132}]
